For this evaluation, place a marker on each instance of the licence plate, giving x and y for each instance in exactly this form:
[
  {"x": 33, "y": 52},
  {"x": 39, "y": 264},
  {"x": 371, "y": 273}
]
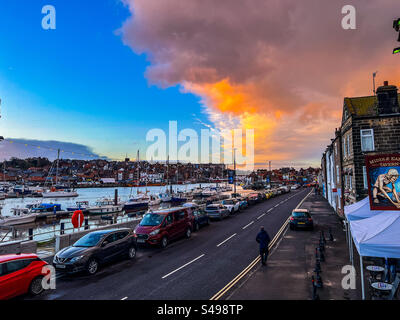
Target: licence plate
[
  {"x": 140, "y": 241},
  {"x": 60, "y": 266},
  {"x": 301, "y": 222}
]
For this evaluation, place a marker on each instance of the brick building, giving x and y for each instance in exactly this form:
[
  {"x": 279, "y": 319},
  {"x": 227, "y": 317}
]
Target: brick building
[{"x": 370, "y": 125}]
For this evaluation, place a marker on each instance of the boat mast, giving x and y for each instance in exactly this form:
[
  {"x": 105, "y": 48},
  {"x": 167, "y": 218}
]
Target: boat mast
[
  {"x": 58, "y": 160},
  {"x": 138, "y": 174}
]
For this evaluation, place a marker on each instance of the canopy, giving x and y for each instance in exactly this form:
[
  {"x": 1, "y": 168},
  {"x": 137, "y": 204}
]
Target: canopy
[
  {"x": 360, "y": 210},
  {"x": 378, "y": 236}
]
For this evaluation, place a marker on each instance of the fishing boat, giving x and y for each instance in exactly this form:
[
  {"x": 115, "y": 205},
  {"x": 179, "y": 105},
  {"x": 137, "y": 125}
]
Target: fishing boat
[
  {"x": 105, "y": 206},
  {"x": 164, "y": 197},
  {"x": 2, "y": 196},
  {"x": 79, "y": 205},
  {"x": 137, "y": 203}
]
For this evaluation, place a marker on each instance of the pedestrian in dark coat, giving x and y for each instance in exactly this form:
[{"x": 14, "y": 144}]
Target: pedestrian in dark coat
[{"x": 263, "y": 239}]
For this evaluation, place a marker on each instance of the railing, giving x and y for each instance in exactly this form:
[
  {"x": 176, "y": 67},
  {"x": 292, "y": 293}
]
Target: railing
[{"x": 62, "y": 230}]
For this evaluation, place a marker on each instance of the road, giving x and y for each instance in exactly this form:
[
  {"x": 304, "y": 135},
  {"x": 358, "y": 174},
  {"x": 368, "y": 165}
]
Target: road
[{"x": 188, "y": 269}]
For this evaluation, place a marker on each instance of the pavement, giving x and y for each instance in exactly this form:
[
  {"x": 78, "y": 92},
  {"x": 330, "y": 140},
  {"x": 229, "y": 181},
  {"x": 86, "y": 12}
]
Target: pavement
[
  {"x": 287, "y": 275},
  {"x": 188, "y": 269}
]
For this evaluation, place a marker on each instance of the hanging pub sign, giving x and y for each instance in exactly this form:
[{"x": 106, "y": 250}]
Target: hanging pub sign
[{"x": 383, "y": 181}]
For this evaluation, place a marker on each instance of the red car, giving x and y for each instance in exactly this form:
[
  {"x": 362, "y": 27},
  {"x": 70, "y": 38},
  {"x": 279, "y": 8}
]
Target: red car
[
  {"x": 20, "y": 274},
  {"x": 160, "y": 227}
]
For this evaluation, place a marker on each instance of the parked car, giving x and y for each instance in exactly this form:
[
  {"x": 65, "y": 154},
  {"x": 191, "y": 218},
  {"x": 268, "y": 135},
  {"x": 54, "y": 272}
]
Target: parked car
[
  {"x": 200, "y": 218},
  {"x": 253, "y": 198},
  {"x": 262, "y": 196},
  {"x": 162, "y": 226},
  {"x": 232, "y": 204},
  {"x": 217, "y": 211},
  {"x": 21, "y": 274},
  {"x": 95, "y": 249},
  {"x": 295, "y": 187},
  {"x": 301, "y": 218},
  {"x": 243, "y": 204}
]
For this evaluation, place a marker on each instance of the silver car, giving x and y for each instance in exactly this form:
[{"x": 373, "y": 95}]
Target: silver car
[{"x": 217, "y": 211}]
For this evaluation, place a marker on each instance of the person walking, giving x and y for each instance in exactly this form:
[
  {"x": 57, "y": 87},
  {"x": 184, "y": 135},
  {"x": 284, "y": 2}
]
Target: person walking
[{"x": 263, "y": 239}]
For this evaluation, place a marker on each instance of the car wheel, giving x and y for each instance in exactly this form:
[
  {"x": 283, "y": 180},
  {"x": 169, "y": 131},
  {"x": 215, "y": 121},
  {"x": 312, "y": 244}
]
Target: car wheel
[
  {"x": 188, "y": 233},
  {"x": 164, "y": 242},
  {"x": 131, "y": 252},
  {"x": 291, "y": 227},
  {"x": 196, "y": 227},
  {"x": 208, "y": 221},
  {"x": 36, "y": 287},
  {"x": 92, "y": 266}
]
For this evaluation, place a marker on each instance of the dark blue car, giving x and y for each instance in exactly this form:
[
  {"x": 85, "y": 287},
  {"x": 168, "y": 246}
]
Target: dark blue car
[{"x": 200, "y": 219}]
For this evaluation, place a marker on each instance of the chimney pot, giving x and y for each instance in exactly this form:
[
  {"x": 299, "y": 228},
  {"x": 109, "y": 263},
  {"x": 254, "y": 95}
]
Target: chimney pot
[{"x": 386, "y": 83}]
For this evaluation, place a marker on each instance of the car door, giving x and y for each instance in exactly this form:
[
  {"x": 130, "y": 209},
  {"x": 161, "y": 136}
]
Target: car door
[
  {"x": 121, "y": 242},
  {"x": 13, "y": 278},
  {"x": 109, "y": 248},
  {"x": 179, "y": 222},
  {"x": 168, "y": 226}
]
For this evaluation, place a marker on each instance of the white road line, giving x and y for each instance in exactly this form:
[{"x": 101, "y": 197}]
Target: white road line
[
  {"x": 167, "y": 275},
  {"x": 248, "y": 225},
  {"x": 261, "y": 216},
  {"x": 124, "y": 298},
  {"x": 276, "y": 205},
  {"x": 270, "y": 210},
  {"x": 226, "y": 240}
]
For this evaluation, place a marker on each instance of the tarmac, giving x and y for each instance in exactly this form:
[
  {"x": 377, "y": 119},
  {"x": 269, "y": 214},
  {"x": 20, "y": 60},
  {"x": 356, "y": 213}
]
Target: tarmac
[{"x": 291, "y": 263}]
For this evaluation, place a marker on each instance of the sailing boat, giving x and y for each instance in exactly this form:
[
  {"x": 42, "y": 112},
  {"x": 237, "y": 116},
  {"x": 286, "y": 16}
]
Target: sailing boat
[
  {"x": 140, "y": 202},
  {"x": 55, "y": 192}
]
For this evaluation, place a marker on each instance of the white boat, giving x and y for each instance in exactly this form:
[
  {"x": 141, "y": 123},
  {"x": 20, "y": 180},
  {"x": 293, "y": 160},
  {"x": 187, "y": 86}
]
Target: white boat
[
  {"x": 2, "y": 196},
  {"x": 60, "y": 194},
  {"x": 21, "y": 216},
  {"x": 105, "y": 206}
]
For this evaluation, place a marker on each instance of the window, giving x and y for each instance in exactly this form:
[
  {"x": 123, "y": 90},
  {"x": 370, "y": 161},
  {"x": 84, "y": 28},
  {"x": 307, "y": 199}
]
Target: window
[
  {"x": 337, "y": 174},
  {"x": 121, "y": 235},
  {"x": 367, "y": 140},
  {"x": 348, "y": 145},
  {"x": 16, "y": 265},
  {"x": 344, "y": 148},
  {"x": 350, "y": 182},
  {"x": 346, "y": 182},
  {"x": 365, "y": 177},
  {"x": 179, "y": 215}
]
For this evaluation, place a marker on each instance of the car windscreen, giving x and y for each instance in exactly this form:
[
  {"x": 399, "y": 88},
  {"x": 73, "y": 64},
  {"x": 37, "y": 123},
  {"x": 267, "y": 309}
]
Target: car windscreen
[
  {"x": 152, "y": 219},
  {"x": 228, "y": 202},
  {"x": 89, "y": 240},
  {"x": 299, "y": 214}
]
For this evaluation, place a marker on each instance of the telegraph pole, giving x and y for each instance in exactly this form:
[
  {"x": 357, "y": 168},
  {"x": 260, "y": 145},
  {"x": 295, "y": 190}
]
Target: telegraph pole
[{"x": 234, "y": 171}]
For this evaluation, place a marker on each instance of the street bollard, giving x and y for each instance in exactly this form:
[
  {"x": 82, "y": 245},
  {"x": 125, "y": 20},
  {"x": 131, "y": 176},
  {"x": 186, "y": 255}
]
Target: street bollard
[
  {"x": 316, "y": 253},
  {"x": 86, "y": 223},
  {"x": 321, "y": 256},
  {"x": 321, "y": 246},
  {"x": 30, "y": 231},
  {"x": 315, "y": 295},
  {"x": 318, "y": 281},
  {"x": 62, "y": 227},
  {"x": 323, "y": 237},
  {"x": 330, "y": 235},
  {"x": 317, "y": 266}
]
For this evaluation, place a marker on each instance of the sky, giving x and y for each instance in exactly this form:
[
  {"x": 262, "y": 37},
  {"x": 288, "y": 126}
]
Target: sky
[{"x": 115, "y": 69}]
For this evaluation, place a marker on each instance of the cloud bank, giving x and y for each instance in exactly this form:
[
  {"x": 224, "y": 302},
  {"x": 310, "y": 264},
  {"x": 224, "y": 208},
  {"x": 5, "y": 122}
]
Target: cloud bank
[
  {"x": 281, "y": 67},
  {"x": 26, "y": 148}
]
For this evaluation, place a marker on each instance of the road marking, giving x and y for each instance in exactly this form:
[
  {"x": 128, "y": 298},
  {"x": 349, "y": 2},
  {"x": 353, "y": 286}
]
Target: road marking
[
  {"x": 270, "y": 210},
  {"x": 226, "y": 239},
  {"x": 124, "y": 298},
  {"x": 261, "y": 216},
  {"x": 186, "y": 264},
  {"x": 276, "y": 205},
  {"x": 235, "y": 280},
  {"x": 248, "y": 225}
]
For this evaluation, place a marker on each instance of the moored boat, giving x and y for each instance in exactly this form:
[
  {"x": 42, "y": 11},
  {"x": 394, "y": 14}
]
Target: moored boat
[{"x": 105, "y": 206}]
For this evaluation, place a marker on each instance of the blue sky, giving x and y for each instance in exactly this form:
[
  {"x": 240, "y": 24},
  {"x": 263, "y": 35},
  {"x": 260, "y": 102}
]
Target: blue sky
[{"x": 80, "y": 83}]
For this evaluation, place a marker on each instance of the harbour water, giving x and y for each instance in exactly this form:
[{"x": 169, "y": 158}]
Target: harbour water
[{"x": 46, "y": 229}]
